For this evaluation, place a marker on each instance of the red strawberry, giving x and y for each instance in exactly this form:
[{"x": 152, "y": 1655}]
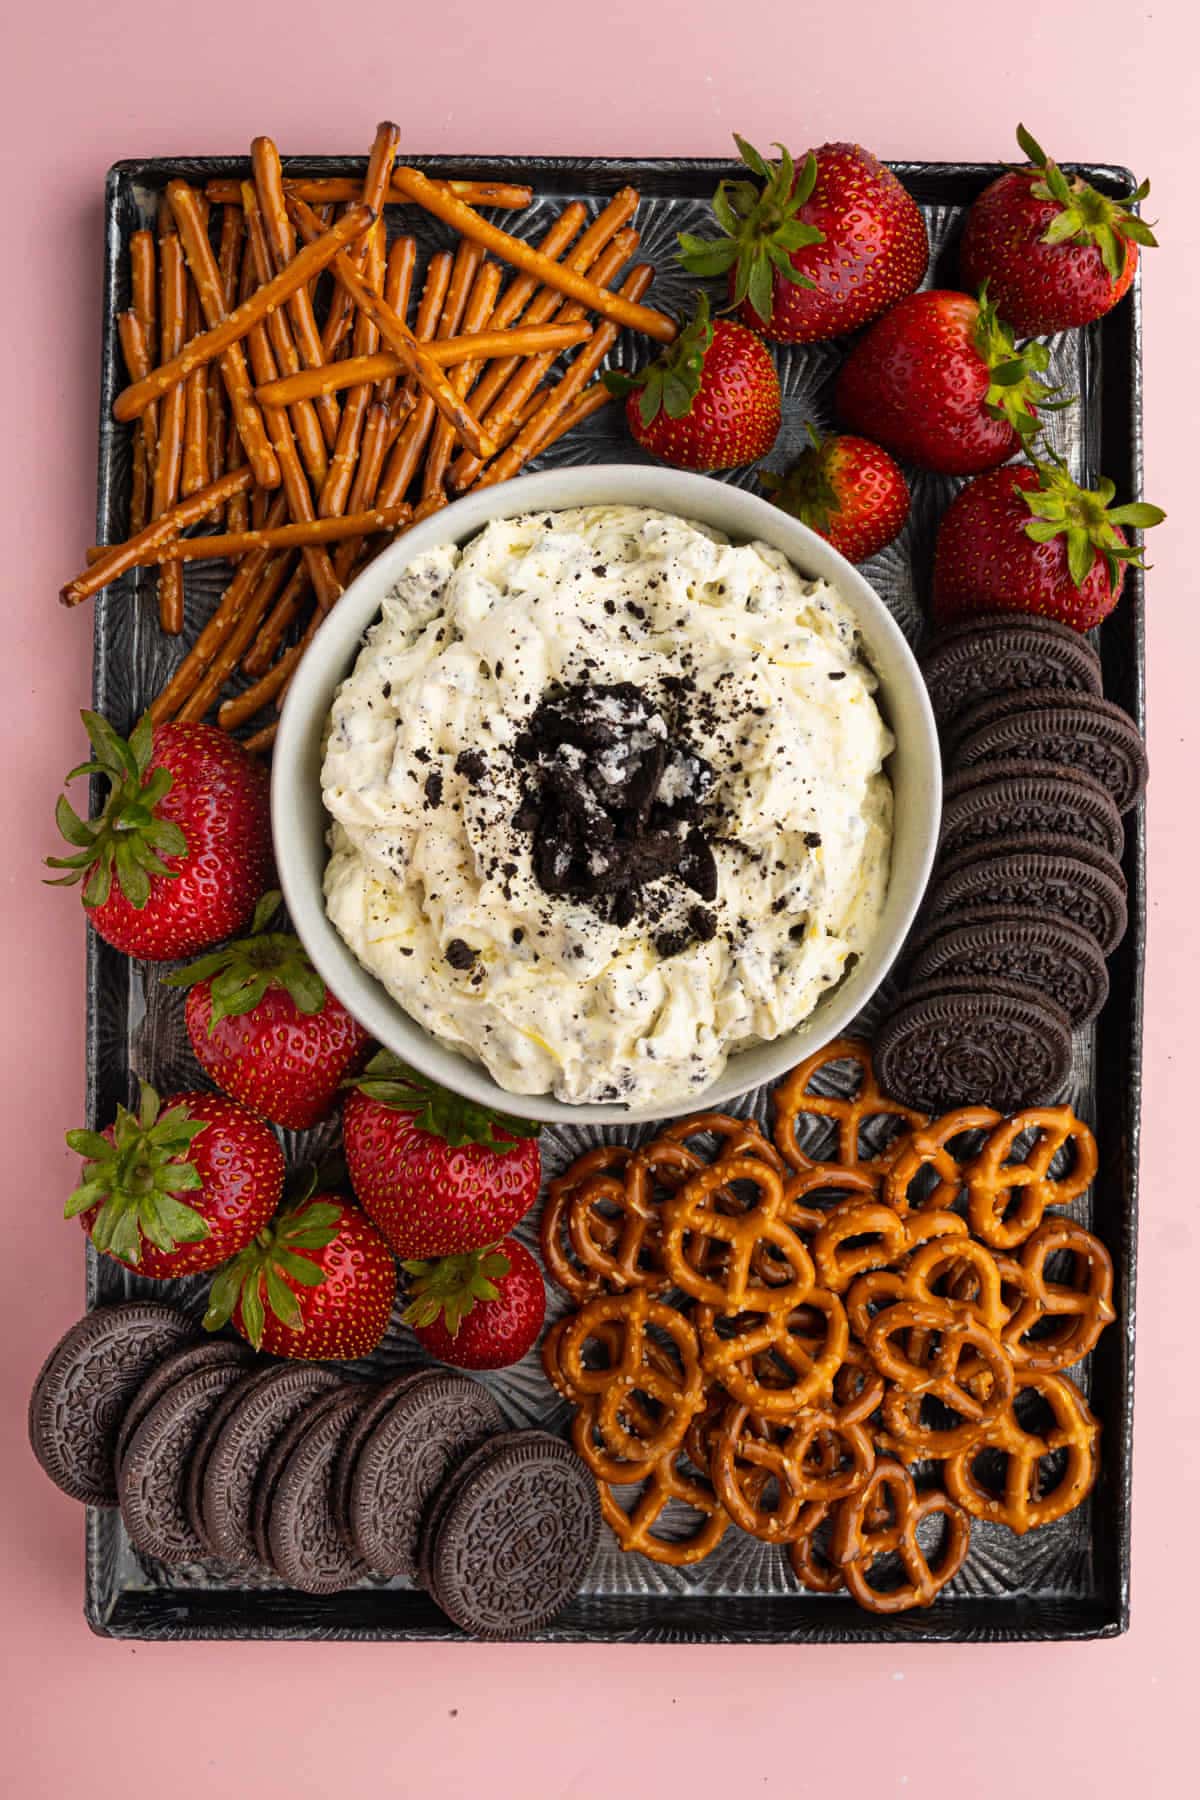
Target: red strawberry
[
  {"x": 709, "y": 402},
  {"x": 437, "y": 1174},
  {"x": 847, "y": 490},
  {"x": 185, "y": 830},
  {"x": 1027, "y": 539},
  {"x": 813, "y": 255},
  {"x": 265, "y": 1027},
  {"x": 939, "y": 382},
  {"x": 318, "y": 1282},
  {"x": 179, "y": 1186},
  {"x": 479, "y": 1311},
  {"x": 1054, "y": 251}
]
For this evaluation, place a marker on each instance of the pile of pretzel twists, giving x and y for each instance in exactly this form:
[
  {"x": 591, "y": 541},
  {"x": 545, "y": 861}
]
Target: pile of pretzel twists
[
  {"x": 284, "y": 408},
  {"x": 778, "y": 1342}
]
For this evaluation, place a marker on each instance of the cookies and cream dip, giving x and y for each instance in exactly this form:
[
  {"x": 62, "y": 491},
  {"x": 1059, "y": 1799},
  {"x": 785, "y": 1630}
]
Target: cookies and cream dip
[{"x": 608, "y": 800}]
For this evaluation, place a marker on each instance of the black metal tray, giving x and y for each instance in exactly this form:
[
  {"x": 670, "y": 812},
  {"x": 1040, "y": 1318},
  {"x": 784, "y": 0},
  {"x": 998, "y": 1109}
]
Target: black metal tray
[{"x": 1068, "y": 1581}]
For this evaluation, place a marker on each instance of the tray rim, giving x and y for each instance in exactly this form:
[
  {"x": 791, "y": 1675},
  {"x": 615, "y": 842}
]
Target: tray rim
[{"x": 1112, "y": 1612}]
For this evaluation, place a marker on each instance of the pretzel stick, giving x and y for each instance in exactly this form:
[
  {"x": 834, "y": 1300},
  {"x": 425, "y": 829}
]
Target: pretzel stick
[
  {"x": 132, "y": 402},
  {"x": 375, "y": 439},
  {"x": 478, "y": 311},
  {"x": 261, "y": 653},
  {"x": 274, "y": 681},
  {"x": 228, "y": 258},
  {"x": 399, "y": 338},
  {"x": 136, "y": 351},
  {"x": 582, "y": 407},
  {"x": 281, "y": 239},
  {"x": 144, "y": 546},
  {"x": 364, "y": 342},
  {"x": 410, "y": 445},
  {"x": 232, "y": 272},
  {"x": 195, "y": 429},
  {"x": 521, "y": 255},
  {"x": 397, "y": 286},
  {"x": 144, "y": 291},
  {"x": 168, "y": 462},
  {"x": 326, "y": 190},
  {"x": 214, "y": 633},
  {"x": 531, "y": 436},
  {"x": 326, "y": 585},
  {"x": 259, "y": 497},
  {"x": 375, "y": 182},
  {"x": 504, "y": 415},
  {"x": 303, "y": 418},
  {"x": 206, "y": 690},
  {"x": 480, "y": 346},
  {"x": 185, "y": 204},
  {"x": 438, "y": 271},
  {"x": 262, "y": 740},
  {"x": 293, "y": 536},
  {"x": 596, "y": 255}
]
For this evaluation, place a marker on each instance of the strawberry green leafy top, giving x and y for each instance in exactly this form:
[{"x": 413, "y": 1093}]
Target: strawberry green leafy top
[
  {"x": 761, "y": 226},
  {"x": 1087, "y": 216}
]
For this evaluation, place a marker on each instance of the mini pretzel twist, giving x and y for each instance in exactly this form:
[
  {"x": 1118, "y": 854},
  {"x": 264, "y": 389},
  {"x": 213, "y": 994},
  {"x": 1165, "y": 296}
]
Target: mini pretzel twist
[
  {"x": 639, "y": 1368},
  {"x": 1022, "y": 1504},
  {"x": 693, "y": 1216},
  {"x": 816, "y": 1457},
  {"x": 794, "y": 1101},
  {"x": 962, "y": 1346},
  {"x": 859, "y": 1540},
  {"x": 730, "y": 1359},
  {"x": 666, "y": 1481},
  {"x": 929, "y": 1147},
  {"x": 1080, "y": 1307},
  {"x": 1006, "y": 1200}
]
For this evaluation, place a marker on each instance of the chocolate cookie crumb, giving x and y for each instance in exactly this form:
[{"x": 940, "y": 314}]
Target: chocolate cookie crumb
[{"x": 460, "y": 954}]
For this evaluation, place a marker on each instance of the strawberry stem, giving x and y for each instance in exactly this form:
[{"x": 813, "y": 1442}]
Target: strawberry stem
[
  {"x": 134, "y": 1177},
  {"x": 449, "y": 1116},
  {"x": 1087, "y": 519},
  {"x": 240, "y": 973},
  {"x": 762, "y": 228},
  {"x": 1085, "y": 215},
  {"x": 452, "y": 1287},
  {"x": 128, "y": 840}
]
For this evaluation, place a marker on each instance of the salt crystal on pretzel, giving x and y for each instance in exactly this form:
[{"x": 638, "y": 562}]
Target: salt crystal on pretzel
[
  {"x": 133, "y": 400},
  {"x": 521, "y": 255}
]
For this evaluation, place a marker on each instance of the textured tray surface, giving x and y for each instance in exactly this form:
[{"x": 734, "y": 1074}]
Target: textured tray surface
[{"x": 1070, "y": 1580}]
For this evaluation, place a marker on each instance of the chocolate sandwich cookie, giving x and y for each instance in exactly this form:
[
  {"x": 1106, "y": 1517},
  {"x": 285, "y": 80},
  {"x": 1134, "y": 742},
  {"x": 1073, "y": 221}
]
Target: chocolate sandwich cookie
[
  {"x": 1084, "y": 732},
  {"x": 307, "y": 1549},
  {"x": 1038, "y": 951},
  {"x": 266, "y": 1480},
  {"x": 380, "y": 1402},
  {"x": 997, "y": 658},
  {"x": 413, "y": 1447},
  {"x": 1036, "y": 875},
  {"x": 515, "y": 1538},
  {"x": 438, "y": 1505},
  {"x": 193, "y": 1491},
  {"x": 972, "y": 623},
  {"x": 85, "y": 1385},
  {"x": 208, "y": 1353},
  {"x": 951, "y": 1042},
  {"x": 153, "y": 1476},
  {"x": 994, "y": 800},
  {"x": 258, "y": 1416}
]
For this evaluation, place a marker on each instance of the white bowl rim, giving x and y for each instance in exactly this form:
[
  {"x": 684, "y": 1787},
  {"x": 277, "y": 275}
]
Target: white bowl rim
[{"x": 334, "y": 649}]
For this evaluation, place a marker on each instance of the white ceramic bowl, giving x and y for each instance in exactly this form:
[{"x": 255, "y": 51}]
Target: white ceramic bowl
[{"x": 300, "y": 821}]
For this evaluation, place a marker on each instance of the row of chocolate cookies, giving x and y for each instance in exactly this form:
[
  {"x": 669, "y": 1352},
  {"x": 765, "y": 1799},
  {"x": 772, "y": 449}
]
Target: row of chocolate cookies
[
  {"x": 1027, "y": 897},
  {"x": 212, "y": 1452}
]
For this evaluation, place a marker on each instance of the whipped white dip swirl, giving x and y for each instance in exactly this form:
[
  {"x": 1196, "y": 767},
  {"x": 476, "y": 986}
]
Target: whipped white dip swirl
[{"x": 432, "y": 882}]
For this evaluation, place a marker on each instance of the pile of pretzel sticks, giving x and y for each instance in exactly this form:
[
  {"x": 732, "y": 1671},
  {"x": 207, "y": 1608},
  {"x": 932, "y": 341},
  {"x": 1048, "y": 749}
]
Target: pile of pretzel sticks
[{"x": 294, "y": 431}]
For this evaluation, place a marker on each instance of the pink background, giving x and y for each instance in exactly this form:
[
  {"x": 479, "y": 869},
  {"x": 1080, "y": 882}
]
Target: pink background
[{"x": 86, "y": 85}]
